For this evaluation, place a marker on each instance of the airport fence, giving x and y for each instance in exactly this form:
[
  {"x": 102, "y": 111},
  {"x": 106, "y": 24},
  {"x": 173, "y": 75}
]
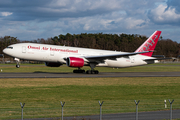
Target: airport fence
[{"x": 84, "y": 108}]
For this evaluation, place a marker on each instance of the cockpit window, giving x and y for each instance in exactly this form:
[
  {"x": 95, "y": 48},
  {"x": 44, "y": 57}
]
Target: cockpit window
[{"x": 10, "y": 47}]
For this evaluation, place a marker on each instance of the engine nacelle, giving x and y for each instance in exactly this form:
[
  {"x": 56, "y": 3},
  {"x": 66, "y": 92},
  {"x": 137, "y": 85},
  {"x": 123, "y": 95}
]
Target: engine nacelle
[
  {"x": 53, "y": 64},
  {"x": 75, "y": 62}
]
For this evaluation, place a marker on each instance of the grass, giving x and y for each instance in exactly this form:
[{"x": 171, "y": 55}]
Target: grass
[
  {"x": 43, "y": 96},
  {"x": 81, "y": 95}
]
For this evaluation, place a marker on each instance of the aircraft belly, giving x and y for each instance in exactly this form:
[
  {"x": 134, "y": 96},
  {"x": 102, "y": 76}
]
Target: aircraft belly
[
  {"x": 118, "y": 63},
  {"x": 122, "y": 62}
]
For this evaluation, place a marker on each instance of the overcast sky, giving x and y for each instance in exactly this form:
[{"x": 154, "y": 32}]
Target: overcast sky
[{"x": 33, "y": 19}]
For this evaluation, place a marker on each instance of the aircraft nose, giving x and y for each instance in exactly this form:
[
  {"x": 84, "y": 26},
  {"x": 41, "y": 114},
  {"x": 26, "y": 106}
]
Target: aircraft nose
[{"x": 5, "y": 51}]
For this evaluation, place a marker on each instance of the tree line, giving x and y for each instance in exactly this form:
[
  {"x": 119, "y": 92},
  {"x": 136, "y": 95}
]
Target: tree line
[{"x": 118, "y": 42}]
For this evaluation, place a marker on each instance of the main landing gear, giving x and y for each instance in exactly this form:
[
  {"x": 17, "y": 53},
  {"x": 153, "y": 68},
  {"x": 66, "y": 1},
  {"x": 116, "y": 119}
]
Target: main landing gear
[
  {"x": 79, "y": 71},
  {"x": 87, "y": 72},
  {"x": 92, "y": 71}
]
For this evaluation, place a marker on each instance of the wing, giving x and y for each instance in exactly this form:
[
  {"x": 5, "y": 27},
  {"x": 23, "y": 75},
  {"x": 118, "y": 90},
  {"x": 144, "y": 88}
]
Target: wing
[{"x": 112, "y": 57}]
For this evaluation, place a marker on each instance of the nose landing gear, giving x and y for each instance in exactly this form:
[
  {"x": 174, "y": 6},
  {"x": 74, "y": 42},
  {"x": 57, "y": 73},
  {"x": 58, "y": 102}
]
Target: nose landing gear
[
  {"x": 17, "y": 62},
  {"x": 17, "y": 66}
]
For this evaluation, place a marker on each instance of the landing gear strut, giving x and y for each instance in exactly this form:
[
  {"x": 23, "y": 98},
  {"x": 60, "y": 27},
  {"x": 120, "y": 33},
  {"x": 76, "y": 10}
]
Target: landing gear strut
[{"x": 17, "y": 62}]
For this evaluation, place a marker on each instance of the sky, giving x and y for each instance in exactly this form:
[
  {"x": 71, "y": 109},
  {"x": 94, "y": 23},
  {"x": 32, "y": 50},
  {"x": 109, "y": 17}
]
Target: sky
[{"x": 36, "y": 19}]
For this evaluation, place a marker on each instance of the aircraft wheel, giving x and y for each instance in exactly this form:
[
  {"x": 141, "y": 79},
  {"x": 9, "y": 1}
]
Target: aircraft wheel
[
  {"x": 92, "y": 72},
  {"x": 88, "y": 72},
  {"x": 78, "y": 71},
  {"x": 74, "y": 71},
  {"x": 17, "y": 66},
  {"x": 83, "y": 71},
  {"x": 96, "y": 72}
]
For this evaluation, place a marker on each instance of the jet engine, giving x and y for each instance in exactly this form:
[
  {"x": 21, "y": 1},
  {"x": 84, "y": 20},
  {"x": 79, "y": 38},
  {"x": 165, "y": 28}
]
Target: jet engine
[
  {"x": 53, "y": 64},
  {"x": 74, "y": 62}
]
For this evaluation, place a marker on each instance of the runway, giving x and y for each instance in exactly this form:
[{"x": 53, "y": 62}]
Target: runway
[{"x": 78, "y": 75}]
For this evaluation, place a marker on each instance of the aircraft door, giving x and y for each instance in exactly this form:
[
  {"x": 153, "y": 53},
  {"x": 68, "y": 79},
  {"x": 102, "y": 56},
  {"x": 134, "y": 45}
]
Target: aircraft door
[
  {"x": 132, "y": 60},
  {"x": 23, "y": 49}
]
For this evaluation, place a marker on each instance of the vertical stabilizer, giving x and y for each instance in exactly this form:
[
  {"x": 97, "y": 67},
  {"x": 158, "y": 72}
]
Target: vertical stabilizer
[{"x": 149, "y": 44}]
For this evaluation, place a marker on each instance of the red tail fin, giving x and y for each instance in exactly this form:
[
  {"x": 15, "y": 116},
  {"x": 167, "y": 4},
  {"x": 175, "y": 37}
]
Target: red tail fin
[{"x": 149, "y": 44}]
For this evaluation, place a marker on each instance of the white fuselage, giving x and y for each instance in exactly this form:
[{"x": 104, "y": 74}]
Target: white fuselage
[{"x": 54, "y": 53}]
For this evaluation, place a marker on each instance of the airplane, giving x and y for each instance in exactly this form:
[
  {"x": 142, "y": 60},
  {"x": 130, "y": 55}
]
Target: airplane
[{"x": 55, "y": 56}]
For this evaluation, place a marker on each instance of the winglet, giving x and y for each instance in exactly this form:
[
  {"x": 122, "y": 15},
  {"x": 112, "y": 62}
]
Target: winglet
[{"x": 149, "y": 44}]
